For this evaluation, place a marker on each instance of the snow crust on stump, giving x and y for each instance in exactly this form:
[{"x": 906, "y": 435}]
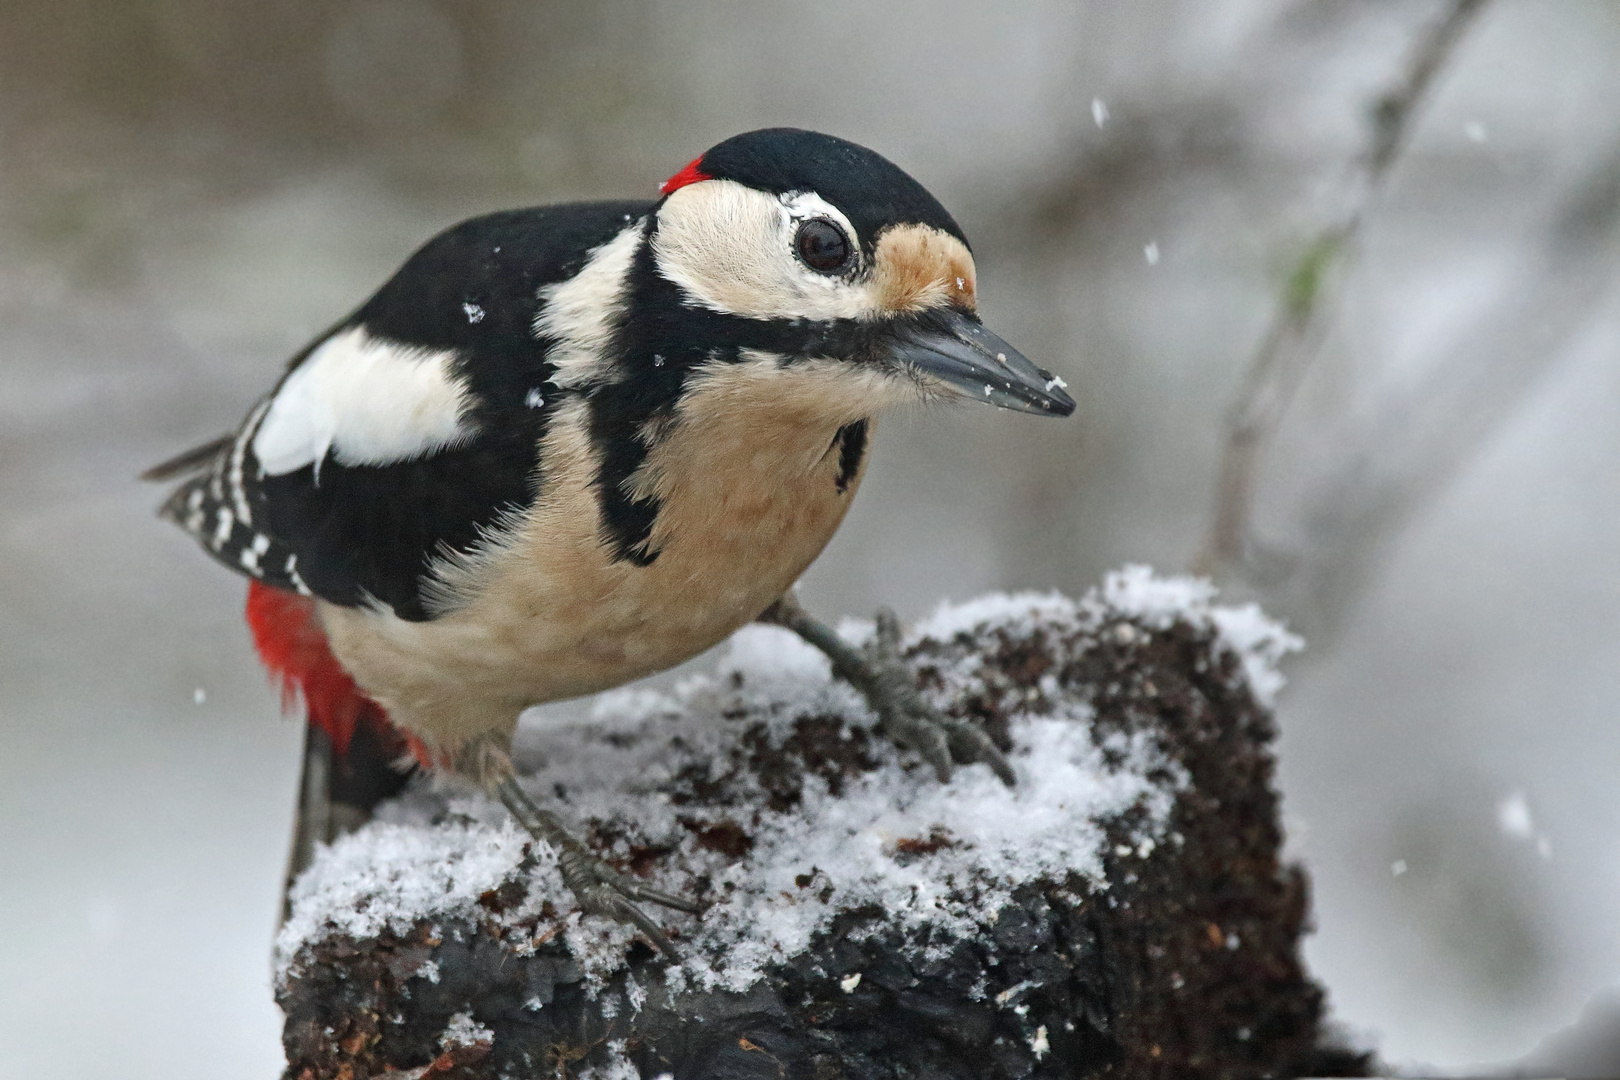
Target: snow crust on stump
[
  {"x": 824, "y": 854},
  {"x": 945, "y": 857}
]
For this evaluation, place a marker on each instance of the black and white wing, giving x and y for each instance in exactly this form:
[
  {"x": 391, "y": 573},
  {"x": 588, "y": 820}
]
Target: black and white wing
[
  {"x": 414, "y": 426},
  {"x": 218, "y": 513}
]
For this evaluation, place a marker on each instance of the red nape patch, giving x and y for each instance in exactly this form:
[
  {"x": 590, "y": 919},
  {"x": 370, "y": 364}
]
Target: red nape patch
[
  {"x": 689, "y": 175},
  {"x": 293, "y": 647}
]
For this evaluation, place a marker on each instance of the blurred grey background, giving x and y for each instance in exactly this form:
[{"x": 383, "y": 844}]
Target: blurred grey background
[{"x": 190, "y": 189}]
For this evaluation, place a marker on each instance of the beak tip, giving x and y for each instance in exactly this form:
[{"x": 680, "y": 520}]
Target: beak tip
[
  {"x": 1058, "y": 402},
  {"x": 1058, "y": 406},
  {"x": 968, "y": 359}
]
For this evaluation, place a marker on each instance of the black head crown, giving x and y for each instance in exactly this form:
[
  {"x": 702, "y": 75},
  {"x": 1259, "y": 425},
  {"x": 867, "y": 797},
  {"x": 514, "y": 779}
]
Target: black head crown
[{"x": 872, "y": 191}]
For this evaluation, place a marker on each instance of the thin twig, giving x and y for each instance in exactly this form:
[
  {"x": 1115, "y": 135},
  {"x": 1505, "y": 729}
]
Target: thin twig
[
  {"x": 1292, "y": 341},
  {"x": 1382, "y": 467}
]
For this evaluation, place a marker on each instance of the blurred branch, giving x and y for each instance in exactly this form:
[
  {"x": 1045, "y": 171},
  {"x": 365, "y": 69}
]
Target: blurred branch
[
  {"x": 1308, "y": 298},
  {"x": 1383, "y": 469}
]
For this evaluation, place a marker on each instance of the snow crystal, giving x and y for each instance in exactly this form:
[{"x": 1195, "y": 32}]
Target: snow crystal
[
  {"x": 1099, "y": 112},
  {"x": 1137, "y": 592},
  {"x": 856, "y": 631},
  {"x": 1258, "y": 641},
  {"x": 634, "y": 993},
  {"x": 1134, "y": 592},
  {"x": 849, "y": 982},
  {"x": 1150, "y": 252},
  {"x": 1513, "y": 817},
  {"x": 389, "y": 877},
  {"x": 1005, "y": 997},
  {"x": 990, "y": 610},
  {"x": 1038, "y": 1043},
  {"x": 474, "y": 313},
  {"x": 463, "y": 1030},
  {"x": 776, "y": 658},
  {"x": 941, "y": 860},
  {"x": 618, "y": 1067}
]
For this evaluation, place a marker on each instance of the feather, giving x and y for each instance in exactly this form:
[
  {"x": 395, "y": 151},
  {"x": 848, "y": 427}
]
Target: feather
[
  {"x": 190, "y": 461},
  {"x": 293, "y": 647}
]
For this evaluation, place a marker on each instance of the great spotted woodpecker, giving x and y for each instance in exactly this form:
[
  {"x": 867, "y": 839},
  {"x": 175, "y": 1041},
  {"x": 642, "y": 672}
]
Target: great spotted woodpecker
[{"x": 566, "y": 447}]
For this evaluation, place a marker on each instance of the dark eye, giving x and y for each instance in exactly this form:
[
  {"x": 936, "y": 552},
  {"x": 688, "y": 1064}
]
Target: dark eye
[{"x": 822, "y": 245}]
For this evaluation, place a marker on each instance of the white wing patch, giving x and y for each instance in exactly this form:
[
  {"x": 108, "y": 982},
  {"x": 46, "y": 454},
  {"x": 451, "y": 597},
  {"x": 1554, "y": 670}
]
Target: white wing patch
[{"x": 368, "y": 401}]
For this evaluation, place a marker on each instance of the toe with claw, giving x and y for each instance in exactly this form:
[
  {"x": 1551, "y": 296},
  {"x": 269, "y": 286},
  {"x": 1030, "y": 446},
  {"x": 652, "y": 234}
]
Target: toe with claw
[
  {"x": 911, "y": 721},
  {"x": 599, "y": 889},
  {"x": 880, "y": 673}
]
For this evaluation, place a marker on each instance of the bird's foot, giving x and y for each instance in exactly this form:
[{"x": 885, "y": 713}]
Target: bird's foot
[
  {"x": 892, "y": 692},
  {"x": 880, "y": 673},
  {"x": 599, "y": 889}
]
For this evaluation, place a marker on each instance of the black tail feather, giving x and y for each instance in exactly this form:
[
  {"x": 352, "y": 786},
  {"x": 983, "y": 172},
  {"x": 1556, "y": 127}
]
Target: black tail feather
[
  {"x": 190, "y": 461},
  {"x": 338, "y": 792}
]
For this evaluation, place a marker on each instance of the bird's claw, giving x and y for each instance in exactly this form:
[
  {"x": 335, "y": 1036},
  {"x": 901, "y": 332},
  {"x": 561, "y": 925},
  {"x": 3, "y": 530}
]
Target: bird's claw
[
  {"x": 912, "y": 722},
  {"x": 597, "y": 887},
  {"x": 602, "y": 890}
]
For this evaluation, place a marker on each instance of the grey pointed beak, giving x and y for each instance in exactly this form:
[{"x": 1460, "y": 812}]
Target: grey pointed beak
[{"x": 977, "y": 364}]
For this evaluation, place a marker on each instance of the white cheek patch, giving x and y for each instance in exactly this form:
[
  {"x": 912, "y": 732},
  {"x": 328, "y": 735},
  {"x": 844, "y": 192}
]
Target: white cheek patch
[
  {"x": 730, "y": 249},
  {"x": 368, "y": 401},
  {"x": 580, "y": 314}
]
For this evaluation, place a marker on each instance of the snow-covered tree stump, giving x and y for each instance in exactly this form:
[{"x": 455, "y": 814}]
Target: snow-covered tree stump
[{"x": 1122, "y": 910}]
